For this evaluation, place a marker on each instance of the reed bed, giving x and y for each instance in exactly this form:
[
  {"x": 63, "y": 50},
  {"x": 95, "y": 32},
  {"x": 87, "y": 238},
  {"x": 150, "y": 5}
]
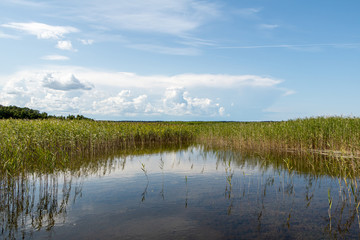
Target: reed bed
[
  {"x": 326, "y": 135},
  {"x": 46, "y": 142},
  {"x": 52, "y": 142}
]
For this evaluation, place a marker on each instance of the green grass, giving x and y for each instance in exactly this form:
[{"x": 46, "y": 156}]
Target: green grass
[
  {"x": 321, "y": 133},
  {"x": 52, "y": 142},
  {"x": 46, "y": 142}
]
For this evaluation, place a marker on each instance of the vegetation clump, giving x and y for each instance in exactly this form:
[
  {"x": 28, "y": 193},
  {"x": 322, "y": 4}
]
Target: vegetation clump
[
  {"x": 47, "y": 142},
  {"x": 327, "y": 135}
]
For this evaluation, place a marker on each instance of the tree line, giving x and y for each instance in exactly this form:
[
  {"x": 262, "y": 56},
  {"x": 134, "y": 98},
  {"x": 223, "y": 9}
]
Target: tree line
[{"x": 15, "y": 112}]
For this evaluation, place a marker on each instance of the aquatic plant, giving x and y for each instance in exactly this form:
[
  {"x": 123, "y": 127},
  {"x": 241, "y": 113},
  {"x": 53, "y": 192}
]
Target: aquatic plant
[
  {"x": 49, "y": 144},
  {"x": 186, "y": 191},
  {"x": 143, "y": 168},
  {"x": 325, "y": 135},
  {"x": 52, "y": 143},
  {"x": 342, "y": 212},
  {"x": 33, "y": 202},
  {"x": 330, "y": 205}
]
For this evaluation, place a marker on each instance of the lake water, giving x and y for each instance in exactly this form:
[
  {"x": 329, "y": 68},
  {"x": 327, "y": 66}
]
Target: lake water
[{"x": 191, "y": 193}]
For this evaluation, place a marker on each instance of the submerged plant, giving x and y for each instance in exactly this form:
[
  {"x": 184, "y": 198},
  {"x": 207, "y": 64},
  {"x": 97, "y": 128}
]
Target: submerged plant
[
  {"x": 229, "y": 175},
  {"x": 144, "y": 170},
  {"x": 161, "y": 165},
  {"x": 330, "y": 205},
  {"x": 186, "y": 196}
]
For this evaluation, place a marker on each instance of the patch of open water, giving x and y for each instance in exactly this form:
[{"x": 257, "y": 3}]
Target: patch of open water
[{"x": 186, "y": 194}]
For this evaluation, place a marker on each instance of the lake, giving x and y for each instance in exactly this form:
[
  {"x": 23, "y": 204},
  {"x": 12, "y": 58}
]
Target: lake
[{"x": 187, "y": 193}]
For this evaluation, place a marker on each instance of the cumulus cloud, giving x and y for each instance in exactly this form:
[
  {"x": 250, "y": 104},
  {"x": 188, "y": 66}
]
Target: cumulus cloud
[
  {"x": 65, "y": 45},
  {"x": 177, "y": 101},
  {"x": 52, "y": 81},
  {"x": 41, "y": 30},
  {"x": 124, "y": 103},
  {"x": 53, "y": 92},
  {"x": 108, "y": 95},
  {"x": 55, "y": 58}
]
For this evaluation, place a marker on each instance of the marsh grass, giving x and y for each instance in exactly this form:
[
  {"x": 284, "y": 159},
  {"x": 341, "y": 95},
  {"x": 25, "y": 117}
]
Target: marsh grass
[
  {"x": 53, "y": 143},
  {"x": 301, "y": 163},
  {"x": 332, "y": 134}
]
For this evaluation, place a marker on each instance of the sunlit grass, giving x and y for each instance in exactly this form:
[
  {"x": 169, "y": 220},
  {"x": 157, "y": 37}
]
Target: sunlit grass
[
  {"x": 338, "y": 134},
  {"x": 52, "y": 143},
  {"x": 46, "y": 142}
]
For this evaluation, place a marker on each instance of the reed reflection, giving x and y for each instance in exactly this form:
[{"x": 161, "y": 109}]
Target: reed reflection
[
  {"x": 287, "y": 192},
  {"x": 33, "y": 202},
  {"x": 39, "y": 199},
  {"x": 280, "y": 175}
]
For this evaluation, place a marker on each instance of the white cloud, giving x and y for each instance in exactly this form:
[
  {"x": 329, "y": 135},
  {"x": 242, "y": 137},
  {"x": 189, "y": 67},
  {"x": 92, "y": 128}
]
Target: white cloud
[
  {"x": 111, "y": 95},
  {"x": 65, "y": 45},
  {"x": 8, "y": 36},
  {"x": 221, "y": 111},
  {"x": 179, "y": 19},
  {"x": 41, "y": 30},
  {"x": 65, "y": 83},
  {"x": 268, "y": 26},
  {"x": 54, "y": 92},
  {"x": 161, "y": 16},
  {"x": 301, "y": 47},
  {"x": 196, "y": 42},
  {"x": 177, "y": 101},
  {"x": 27, "y": 3},
  {"x": 174, "y": 101},
  {"x": 55, "y": 58},
  {"x": 166, "y": 50},
  {"x": 225, "y": 81},
  {"x": 247, "y": 12},
  {"x": 124, "y": 103},
  {"x": 131, "y": 80},
  {"x": 289, "y": 92},
  {"x": 86, "y": 41}
]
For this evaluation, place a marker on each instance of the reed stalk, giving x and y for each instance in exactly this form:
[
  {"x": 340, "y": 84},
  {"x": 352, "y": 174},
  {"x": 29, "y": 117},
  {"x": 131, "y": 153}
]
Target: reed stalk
[{"x": 45, "y": 143}]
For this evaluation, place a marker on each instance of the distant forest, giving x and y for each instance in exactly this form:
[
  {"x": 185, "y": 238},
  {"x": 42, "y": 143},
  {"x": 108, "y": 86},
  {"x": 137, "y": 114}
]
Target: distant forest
[{"x": 15, "y": 112}]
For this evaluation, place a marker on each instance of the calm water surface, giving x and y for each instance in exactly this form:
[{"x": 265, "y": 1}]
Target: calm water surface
[{"x": 184, "y": 194}]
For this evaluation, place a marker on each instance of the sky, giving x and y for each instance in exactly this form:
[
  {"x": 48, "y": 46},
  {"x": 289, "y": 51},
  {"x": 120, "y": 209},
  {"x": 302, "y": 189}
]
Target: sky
[{"x": 187, "y": 60}]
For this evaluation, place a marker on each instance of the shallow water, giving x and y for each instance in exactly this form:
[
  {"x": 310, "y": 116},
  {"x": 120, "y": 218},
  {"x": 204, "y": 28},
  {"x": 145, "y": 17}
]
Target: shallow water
[{"x": 184, "y": 194}]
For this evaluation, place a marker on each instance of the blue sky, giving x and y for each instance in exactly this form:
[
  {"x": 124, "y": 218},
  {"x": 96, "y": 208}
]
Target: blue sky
[{"x": 181, "y": 60}]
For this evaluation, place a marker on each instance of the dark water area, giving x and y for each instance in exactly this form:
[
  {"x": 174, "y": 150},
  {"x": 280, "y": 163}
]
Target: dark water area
[{"x": 192, "y": 193}]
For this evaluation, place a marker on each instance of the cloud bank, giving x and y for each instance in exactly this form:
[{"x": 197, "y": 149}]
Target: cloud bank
[
  {"x": 55, "y": 58},
  {"x": 128, "y": 96},
  {"x": 41, "y": 30},
  {"x": 161, "y": 16}
]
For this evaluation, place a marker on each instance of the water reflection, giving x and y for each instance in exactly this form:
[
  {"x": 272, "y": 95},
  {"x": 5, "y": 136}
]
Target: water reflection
[
  {"x": 35, "y": 202},
  {"x": 193, "y": 192}
]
